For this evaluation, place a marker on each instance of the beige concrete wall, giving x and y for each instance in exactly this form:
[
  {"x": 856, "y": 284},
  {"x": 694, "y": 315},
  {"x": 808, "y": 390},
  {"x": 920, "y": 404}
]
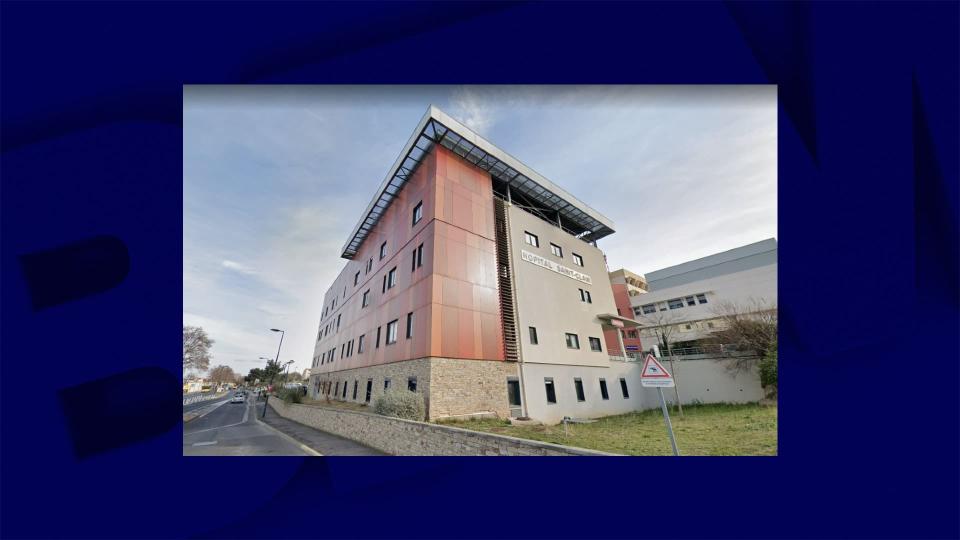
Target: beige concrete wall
[
  {"x": 408, "y": 438},
  {"x": 550, "y": 301},
  {"x": 450, "y": 386}
]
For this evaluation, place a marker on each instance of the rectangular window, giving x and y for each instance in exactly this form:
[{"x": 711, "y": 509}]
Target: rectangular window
[
  {"x": 377, "y": 346},
  {"x": 369, "y": 390},
  {"x": 556, "y": 250},
  {"x": 412, "y": 384},
  {"x": 603, "y": 389},
  {"x": 589, "y": 299},
  {"x": 356, "y": 279},
  {"x": 419, "y": 255},
  {"x": 338, "y": 321},
  {"x": 350, "y": 349},
  {"x": 623, "y": 388},
  {"x": 360, "y": 344},
  {"x": 413, "y": 260},
  {"x": 392, "y": 278},
  {"x": 409, "y": 325},
  {"x": 343, "y": 349},
  {"x": 533, "y": 336},
  {"x": 690, "y": 301},
  {"x": 355, "y": 390},
  {"x": 595, "y": 344},
  {"x": 675, "y": 303},
  {"x": 369, "y": 267},
  {"x": 344, "y": 396},
  {"x": 392, "y": 332},
  {"x": 585, "y": 296},
  {"x": 573, "y": 341},
  {"x": 383, "y": 250},
  {"x": 577, "y": 260},
  {"x": 366, "y": 299},
  {"x": 513, "y": 392},
  {"x": 417, "y": 212},
  {"x": 582, "y": 297},
  {"x": 337, "y": 389},
  {"x": 384, "y": 284},
  {"x": 578, "y": 385},
  {"x": 551, "y": 392},
  {"x": 531, "y": 239},
  {"x": 386, "y": 384},
  {"x": 702, "y": 298}
]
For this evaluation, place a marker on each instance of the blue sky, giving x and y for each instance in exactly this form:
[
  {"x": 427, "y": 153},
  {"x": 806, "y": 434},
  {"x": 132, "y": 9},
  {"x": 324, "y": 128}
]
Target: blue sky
[{"x": 275, "y": 178}]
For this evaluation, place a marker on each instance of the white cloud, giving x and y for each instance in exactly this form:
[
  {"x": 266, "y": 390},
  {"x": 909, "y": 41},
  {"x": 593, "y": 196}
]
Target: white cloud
[
  {"x": 473, "y": 110},
  {"x": 242, "y": 268}
]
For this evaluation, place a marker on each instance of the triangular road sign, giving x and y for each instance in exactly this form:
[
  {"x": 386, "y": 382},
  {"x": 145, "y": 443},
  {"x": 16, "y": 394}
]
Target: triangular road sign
[{"x": 654, "y": 374}]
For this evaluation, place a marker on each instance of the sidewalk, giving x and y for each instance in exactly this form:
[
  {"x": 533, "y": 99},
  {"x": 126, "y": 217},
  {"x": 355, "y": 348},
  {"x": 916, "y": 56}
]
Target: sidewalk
[{"x": 321, "y": 441}]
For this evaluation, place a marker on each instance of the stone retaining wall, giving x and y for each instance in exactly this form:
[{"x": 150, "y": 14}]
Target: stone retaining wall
[{"x": 408, "y": 438}]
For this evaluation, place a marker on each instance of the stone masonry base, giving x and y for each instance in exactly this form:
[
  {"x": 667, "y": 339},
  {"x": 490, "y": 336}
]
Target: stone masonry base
[{"x": 450, "y": 386}]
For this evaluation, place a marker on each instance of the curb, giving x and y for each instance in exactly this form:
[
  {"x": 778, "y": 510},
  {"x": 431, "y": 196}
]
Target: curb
[{"x": 302, "y": 446}]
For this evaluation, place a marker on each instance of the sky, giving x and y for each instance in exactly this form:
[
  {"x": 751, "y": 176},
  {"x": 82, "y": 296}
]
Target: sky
[{"x": 276, "y": 177}]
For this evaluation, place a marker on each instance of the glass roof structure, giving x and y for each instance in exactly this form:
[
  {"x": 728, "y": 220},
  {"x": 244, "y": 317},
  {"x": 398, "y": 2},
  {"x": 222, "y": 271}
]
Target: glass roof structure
[{"x": 436, "y": 127}]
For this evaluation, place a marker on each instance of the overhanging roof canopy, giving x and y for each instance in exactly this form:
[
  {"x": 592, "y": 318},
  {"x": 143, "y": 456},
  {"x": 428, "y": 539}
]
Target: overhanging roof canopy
[{"x": 436, "y": 127}]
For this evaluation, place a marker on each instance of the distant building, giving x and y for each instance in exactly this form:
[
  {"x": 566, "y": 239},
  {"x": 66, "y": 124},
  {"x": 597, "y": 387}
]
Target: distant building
[{"x": 687, "y": 299}]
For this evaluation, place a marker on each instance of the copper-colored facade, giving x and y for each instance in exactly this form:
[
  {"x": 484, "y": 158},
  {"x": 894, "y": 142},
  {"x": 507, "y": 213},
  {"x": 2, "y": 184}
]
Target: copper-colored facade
[
  {"x": 621, "y": 296},
  {"x": 452, "y": 295}
]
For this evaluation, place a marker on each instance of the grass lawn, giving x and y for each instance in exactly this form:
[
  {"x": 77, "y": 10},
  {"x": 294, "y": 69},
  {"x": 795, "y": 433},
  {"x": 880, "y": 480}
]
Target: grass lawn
[{"x": 705, "y": 430}]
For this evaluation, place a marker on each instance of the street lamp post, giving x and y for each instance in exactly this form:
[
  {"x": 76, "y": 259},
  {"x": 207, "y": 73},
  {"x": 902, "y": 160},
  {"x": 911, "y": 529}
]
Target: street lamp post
[{"x": 276, "y": 360}]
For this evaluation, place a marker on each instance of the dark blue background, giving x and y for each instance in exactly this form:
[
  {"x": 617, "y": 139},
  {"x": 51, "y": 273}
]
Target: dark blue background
[{"x": 91, "y": 147}]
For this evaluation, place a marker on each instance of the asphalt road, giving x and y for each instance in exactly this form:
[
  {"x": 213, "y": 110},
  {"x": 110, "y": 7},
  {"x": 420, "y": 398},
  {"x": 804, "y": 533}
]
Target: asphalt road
[{"x": 231, "y": 429}]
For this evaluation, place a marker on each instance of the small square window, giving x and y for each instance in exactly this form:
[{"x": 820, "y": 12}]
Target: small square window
[
  {"x": 412, "y": 384},
  {"x": 702, "y": 298},
  {"x": 603, "y": 389},
  {"x": 556, "y": 250},
  {"x": 595, "y": 344},
  {"x": 383, "y": 250},
  {"x": 690, "y": 301},
  {"x": 551, "y": 391},
  {"x": 578, "y": 386},
  {"x": 649, "y": 308},
  {"x": 417, "y": 212},
  {"x": 577, "y": 260},
  {"x": 531, "y": 239},
  {"x": 573, "y": 341},
  {"x": 533, "y": 336}
]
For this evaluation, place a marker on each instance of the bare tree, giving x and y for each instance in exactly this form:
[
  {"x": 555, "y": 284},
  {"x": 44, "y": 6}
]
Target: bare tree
[
  {"x": 664, "y": 325},
  {"x": 196, "y": 348},
  {"x": 222, "y": 374},
  {"x": 751, "y": 330}
]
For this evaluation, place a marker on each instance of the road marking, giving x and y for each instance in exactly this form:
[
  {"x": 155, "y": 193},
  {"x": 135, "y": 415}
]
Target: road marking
[
  {"x": 302, "y": 446},
  {"x": 205, "y": 443}
]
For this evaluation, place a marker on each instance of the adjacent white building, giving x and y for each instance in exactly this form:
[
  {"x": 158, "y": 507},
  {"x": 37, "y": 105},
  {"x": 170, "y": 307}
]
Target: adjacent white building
[{"x": 689, "y": 298}]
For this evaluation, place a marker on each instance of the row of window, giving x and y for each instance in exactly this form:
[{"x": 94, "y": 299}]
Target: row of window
[
  {"x": 418, "y": 259},
  {"x": 573, "y": 340},
  {"x": 578, "y": 388},
  {"x": 673, "y": 303},
  {"x": 346, "y": 348},
  {"x": 338, "y": 389},
  {"x": 533, "y": 240},
  {"x": 389, "y": 282}
]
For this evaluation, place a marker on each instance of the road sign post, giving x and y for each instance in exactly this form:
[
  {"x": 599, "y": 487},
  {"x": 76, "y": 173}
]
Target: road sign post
[{"x": 654, "y": 375}]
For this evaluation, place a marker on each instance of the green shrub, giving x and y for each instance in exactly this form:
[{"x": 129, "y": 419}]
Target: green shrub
[
  {"x": 768, "y": 372},
  {"x": 290, "y": 395},
  {"x": 401, "y": 403}
]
